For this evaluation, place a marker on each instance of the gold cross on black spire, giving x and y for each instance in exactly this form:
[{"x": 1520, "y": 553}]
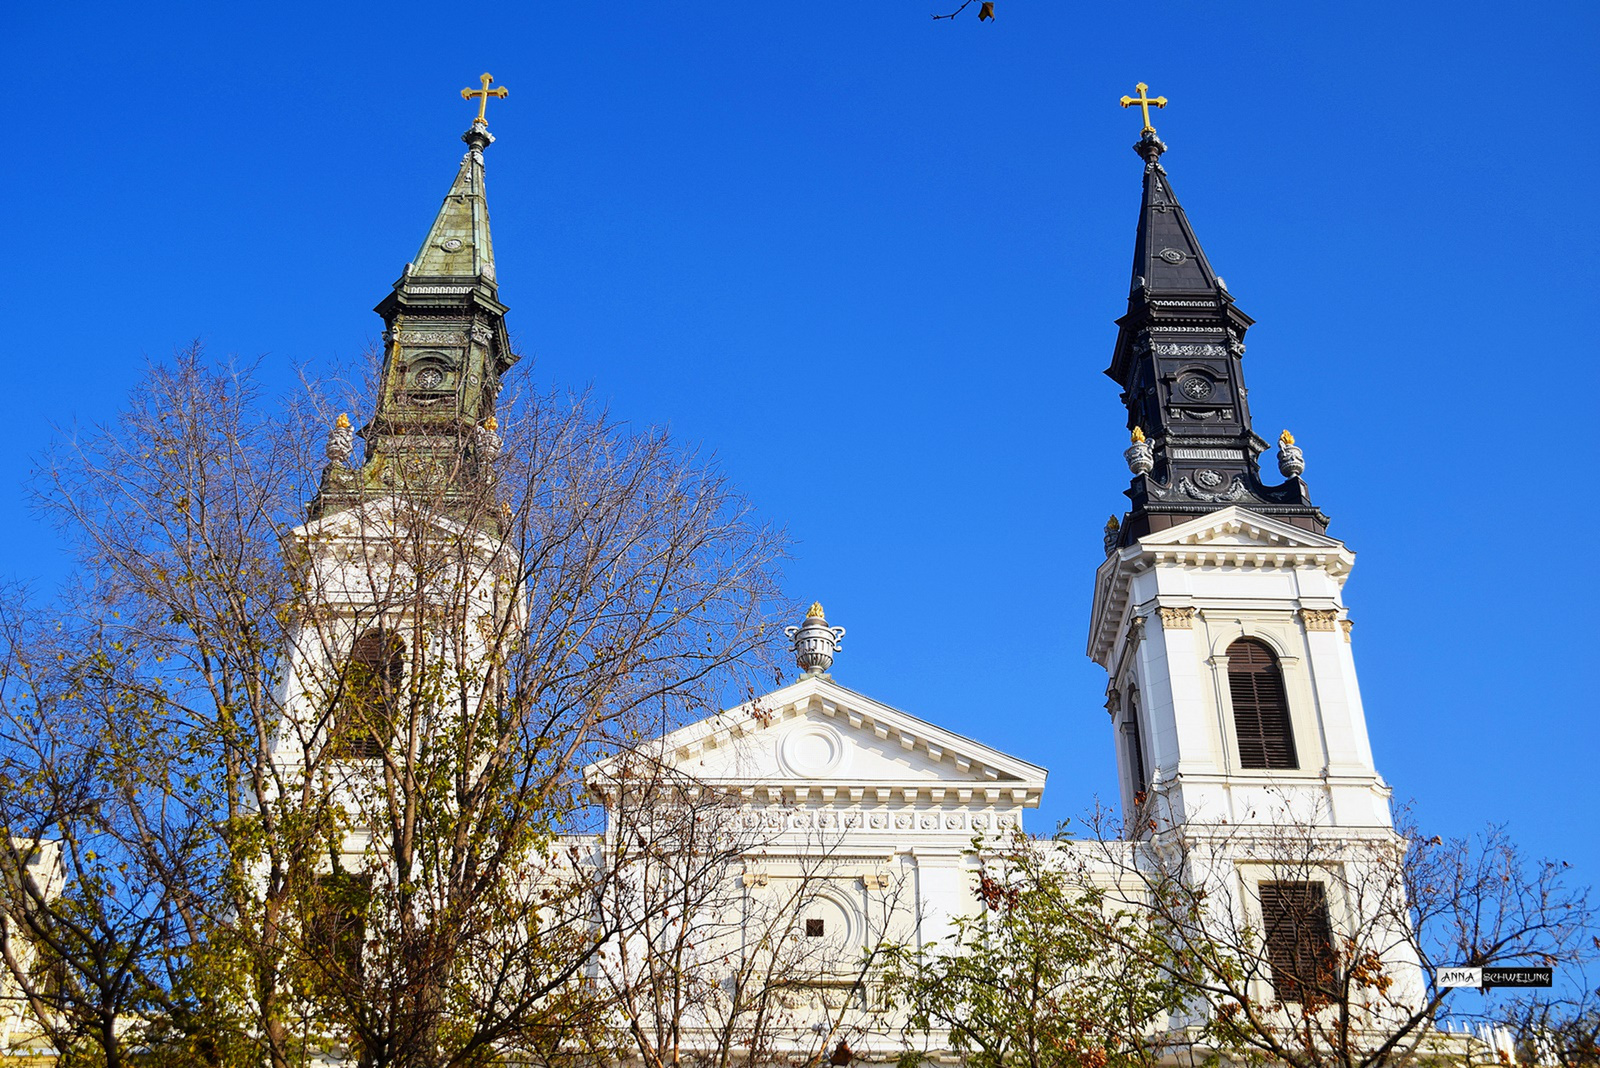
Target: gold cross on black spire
[
  {"x": 484, "y": 94},
  {"x": 1143, "y": 101}
]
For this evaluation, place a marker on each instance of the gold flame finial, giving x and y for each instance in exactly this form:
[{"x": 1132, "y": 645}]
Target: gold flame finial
[
  {"x": 1285, "y": 438},
  {"x": 343, "y": 422},
  {"x": 815, "y": 611},
  {"x": 1144, "y": 103},
  {"x": 484, "y": 94},
  {"x": 1112, "y": 526},
  {"x": 491, "y": 424},
  {"x": 1138, "y": 435}
]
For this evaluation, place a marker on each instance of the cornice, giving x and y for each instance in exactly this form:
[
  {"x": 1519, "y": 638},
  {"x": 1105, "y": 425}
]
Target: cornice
[
  {"x": 1266, "y": 543},
  {"x": 856, "y": 795}
]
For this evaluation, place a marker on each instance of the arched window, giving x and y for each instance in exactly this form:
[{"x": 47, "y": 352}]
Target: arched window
[
  {"x": 1260, "y": 708},
  {"x": 369, "y": 695}
]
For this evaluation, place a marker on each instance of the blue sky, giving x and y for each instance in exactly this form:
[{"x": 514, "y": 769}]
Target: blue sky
[{"x": 872, "y": 262}]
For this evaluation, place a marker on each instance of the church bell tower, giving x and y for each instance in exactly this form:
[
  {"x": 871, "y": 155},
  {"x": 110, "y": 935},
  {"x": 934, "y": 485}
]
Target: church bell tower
[
  {"x": 1218, "y": 613},
  {"x": 409, "y": 574}
]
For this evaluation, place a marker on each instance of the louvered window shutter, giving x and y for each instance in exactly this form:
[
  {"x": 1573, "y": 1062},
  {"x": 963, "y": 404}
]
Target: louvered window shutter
[
  {"x": 336, "y": 926},
  {"x": 370, "y": 689},
  {"x": 1260, "y": 708},
  {"x": 1299, "y": 938}
]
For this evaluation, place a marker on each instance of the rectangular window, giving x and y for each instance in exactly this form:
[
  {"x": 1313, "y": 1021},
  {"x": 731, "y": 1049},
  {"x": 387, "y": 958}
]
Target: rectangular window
[
  {"x": 336, "y": 924},
  {"x": 814, "y": 928},
  {"x": 369, "y": 696},
  {"x": 1299, "y": 938}
]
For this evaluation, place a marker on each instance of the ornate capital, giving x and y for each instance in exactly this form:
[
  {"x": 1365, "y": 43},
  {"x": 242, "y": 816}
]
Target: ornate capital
[
  {"x": 1348, "y": 625},
  {"x": 1177, "y": 618},
  {"x": 755, "y": 878},
  {"x": 1319, "y": 618},
  {"x": 877, "y": 880}
]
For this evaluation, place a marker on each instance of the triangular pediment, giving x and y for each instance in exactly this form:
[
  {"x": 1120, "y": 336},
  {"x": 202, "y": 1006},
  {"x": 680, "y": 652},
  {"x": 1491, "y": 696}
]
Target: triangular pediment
[
  {"x": 1229, "y": 537},
  {"x": 1240, "y": 526},
  {"x": 818, "y": 740},
  {"x": 385, "y": 517}
]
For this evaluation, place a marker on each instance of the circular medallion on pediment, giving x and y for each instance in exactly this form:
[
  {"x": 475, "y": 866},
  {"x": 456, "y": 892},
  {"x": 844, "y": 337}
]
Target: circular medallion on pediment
[{"x": 812, "y": 750}]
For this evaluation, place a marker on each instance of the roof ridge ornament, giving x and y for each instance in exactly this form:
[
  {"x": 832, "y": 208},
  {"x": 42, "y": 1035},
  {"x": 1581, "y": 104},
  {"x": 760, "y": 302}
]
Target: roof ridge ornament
[
  {"x": 815, "y": 643},
  {"x": 479, "y": 136},
  {"x": 1149, "y": 145}
]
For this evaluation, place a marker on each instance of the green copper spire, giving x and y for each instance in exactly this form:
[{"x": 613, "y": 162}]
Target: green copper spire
[
  {"x": 445, "y": 350},
  {"x": 458, "y": 244}
]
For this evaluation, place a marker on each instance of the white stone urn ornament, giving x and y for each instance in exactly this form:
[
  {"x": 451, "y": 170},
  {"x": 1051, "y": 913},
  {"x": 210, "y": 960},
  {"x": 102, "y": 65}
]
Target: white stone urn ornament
[
  {"x": 341, "y": 440},
  {"x": 486, "y": 439},
  {"x": 1291, "y": 461},
  {"x": 815, "y": 643},
  {"x": 1140, "y": 456}
]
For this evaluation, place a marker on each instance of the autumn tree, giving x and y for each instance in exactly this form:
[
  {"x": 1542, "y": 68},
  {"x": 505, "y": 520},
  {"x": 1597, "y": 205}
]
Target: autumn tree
[
  {"x": 1557, "y": 1029},
  {"x": 723, "y": 954},
  {"x": 359, "y": 847},
  {"x": 1295, "y": 945},
  {"x": 1039, "y": 973}
]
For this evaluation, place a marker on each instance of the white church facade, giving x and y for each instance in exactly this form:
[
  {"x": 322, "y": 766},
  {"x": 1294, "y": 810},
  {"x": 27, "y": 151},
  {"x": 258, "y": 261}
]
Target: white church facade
[
  {"x": 1217, "y": 615},
  {"x": 1244, "y": 761},
  {"x": 758, "y": 859}
]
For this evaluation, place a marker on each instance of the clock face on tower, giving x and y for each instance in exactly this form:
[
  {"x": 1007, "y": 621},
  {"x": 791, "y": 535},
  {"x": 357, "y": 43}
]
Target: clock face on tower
[
  {"x": 430, "y": 377},
  {"x": 1195, "y": 388}
]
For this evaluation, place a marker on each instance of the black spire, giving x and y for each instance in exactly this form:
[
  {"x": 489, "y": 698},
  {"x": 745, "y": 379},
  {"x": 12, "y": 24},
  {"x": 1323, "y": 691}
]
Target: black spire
[{"x": 1178, "y": 361}]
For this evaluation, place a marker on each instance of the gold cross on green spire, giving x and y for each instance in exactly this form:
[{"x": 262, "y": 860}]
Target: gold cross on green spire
[
  {"x": 1143, "y": 101},
  {"x": 483, "y": 95}
]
